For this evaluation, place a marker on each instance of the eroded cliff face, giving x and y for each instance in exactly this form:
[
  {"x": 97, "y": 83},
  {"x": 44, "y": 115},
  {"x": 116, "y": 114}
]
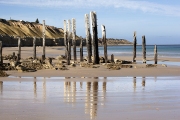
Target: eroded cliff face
[{"x": 28, "y": 29}]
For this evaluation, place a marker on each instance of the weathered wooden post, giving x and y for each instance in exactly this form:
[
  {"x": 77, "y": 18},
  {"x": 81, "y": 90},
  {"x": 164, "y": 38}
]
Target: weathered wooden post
[
  {"x": 19, "y": 49},
  {"x": 104, "y": 42},
  {"x": 74, "y": 38},
  {"x": 1, "y": 57},
  {"x": 155, "y": 54},
  {"x": 81, "y": 49},
  {"x": 69, "y": 43},
  {"x": 13, "y": 56},
  {"x": 34, "y": 48},
  {"x": 65, "y": 38},
  {"x": 134, "y": 47},
  {"x": 88, "y": 38},
  {"x": 44, "y": 40},
  {"x": 144, "y": 48},
  {"x": 95, "y": 37},
  {"x": 112, "y": 58}
]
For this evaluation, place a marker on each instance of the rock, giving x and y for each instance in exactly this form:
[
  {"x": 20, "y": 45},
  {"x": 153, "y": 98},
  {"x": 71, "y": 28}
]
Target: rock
[
  {"x": 150, "y": 65},
  {"x": 3, "y": 74},
  {"x": 164, "y": 65}
]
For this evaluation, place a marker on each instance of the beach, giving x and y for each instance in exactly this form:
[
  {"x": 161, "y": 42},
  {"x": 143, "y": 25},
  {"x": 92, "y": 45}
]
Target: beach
[{"x": 135, "y": 93}]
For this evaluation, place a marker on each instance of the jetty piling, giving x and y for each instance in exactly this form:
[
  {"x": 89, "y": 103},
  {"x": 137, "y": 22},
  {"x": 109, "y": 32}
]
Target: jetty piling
[
  {"x": 65, "y": 38},
  {"x": 144, "y": 48},
  {"x": 19, "y": 49},
  {"x": 95, "y": 37},
  {"x": 13, "y": 56},
  {"x": 155, "y": 55},
  {"x": 134, "y": 47},
  {"x": 81, "y": 50},
  {"x": 104, "y": 42},
  {"x": 74, "y": 38},
  {"x": 44, "y": 40},
  {"x": 88, "y": 38},
  {"x": 1, "y": 57},
  {"x": 34, "y": 48},
  {"x": 112, "y": 58},
  {"x": 69, "y": 42}
]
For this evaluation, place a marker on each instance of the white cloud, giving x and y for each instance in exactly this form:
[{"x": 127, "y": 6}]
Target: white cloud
[{"x": 144, "y": 6}]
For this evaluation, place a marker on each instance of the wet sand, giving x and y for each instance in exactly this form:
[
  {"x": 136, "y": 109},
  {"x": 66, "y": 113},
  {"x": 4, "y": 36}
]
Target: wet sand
[
  {"x": 94, "y": 93},
  {"x": 141, "y": 98}
]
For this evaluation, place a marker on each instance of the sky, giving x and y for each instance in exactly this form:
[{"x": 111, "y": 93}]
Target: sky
[{"x": 158, "y": 20}]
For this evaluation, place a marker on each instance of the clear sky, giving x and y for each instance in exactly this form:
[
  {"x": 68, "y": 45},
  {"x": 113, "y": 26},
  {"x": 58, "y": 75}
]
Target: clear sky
[{"x": 158, "y": 20}]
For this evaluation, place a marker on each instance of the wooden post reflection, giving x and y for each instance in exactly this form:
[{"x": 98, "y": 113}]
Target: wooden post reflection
[
  {"x": 35, "y": 88},
  {"x": 1, "y": 87},
  {"x": 44, "y": 89},
  {"x": 143, "y": 81},
  {"x": 134, "y": 82},
  {"x": 93, "y": 110},
  {"x": 88, "y": 97}
]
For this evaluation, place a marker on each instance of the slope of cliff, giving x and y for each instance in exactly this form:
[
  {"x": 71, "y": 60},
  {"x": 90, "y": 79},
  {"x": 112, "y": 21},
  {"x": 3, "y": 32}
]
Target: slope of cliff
[{"x": 28, "y": 29}]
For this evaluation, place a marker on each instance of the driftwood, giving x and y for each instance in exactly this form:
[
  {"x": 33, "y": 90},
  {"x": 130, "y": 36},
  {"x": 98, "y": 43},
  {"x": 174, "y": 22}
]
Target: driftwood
[
  {"x": 88, "y": 38},
  {"x": 104, "y": 42},
  {"x": 144, "y": 48},
  {"x": 155, "y": 55},
  {"x": 134, "y": 47},
  {"x": 74, "y": 38},
  {"x": 95, "y": 37}
]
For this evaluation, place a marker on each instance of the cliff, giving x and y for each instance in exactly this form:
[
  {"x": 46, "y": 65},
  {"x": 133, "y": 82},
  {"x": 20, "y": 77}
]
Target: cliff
[{"x": 11, "y": 29}]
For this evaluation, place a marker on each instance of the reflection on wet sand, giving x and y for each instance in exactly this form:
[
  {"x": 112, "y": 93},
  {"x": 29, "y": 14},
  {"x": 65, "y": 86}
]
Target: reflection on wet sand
[
  {"x": 91, "y": 97},
  {"x": 44, "y": 89},
  {"x": 35, "y": 88},
  {"x": 134, "y": 82},
  {"x": 1, "y": 87},
  {"x": 143, "y": 81}
]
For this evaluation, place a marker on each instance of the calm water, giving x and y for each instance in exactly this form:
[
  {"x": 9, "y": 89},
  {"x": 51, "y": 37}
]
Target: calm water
[
  {"x": 90, "y": 98},
  {"x": 163, "y": 50}
]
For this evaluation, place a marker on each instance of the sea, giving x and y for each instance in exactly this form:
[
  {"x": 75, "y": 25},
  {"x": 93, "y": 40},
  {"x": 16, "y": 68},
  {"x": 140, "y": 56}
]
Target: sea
[{"x": 172, "y": 51}]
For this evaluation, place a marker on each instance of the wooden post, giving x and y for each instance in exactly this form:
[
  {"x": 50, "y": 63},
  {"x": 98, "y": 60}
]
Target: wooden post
[
  {"x": 155, "y": 54},
  {"x": 112, "y": 58},
  {"x": 104, "y": 42},
  {"x": 144, "y": 48},
  {"x": 13, "y": 56},
  {"x": 44, "y": 40},
  {"x": 69, "y": 43},
  {"x": 34, "y": 48},
  {"x": 65, "y": 38},
  {"x": 95, "y": 37},
  {"x": 19, "y": 47},
  {"x": 134, "y": 47},
  {"x": 74, "y": 38},
  {"x": 1, "y": 57},
  {"x": 81, "y": 50},
  {"x": 88, "y": 38}
]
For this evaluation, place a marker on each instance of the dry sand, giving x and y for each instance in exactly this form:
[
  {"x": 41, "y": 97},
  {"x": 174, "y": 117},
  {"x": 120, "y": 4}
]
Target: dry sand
[{"x": 46, "y": 94}]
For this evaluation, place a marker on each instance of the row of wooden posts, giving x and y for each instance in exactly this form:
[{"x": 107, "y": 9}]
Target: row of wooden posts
[{"x": 91, "y": 40}]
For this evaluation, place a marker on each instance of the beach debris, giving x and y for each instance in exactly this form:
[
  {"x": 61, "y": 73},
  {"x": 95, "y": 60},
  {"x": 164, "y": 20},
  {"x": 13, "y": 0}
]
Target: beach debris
[
  {"x": 3, "y": 74},
  {"x": 113, "y": 66},
  {"x": 150, "y": 65},
  {"x": 88, "y": 65},
  {"x": 164, "y": 65},
  {"x": 61, "y": 57},
  {"x": 101, "y": 59}
]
